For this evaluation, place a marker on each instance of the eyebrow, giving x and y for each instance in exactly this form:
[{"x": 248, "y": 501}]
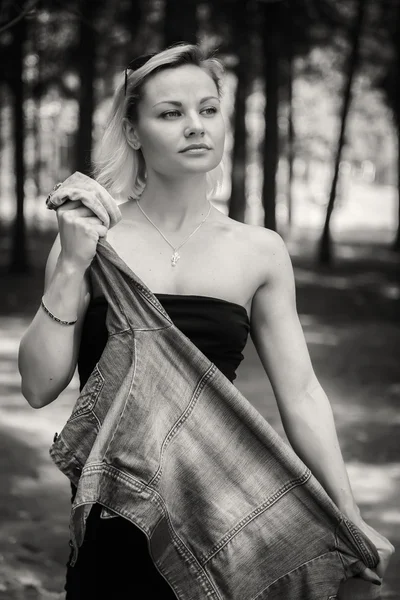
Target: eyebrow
[{"x": 176, "y": 103}]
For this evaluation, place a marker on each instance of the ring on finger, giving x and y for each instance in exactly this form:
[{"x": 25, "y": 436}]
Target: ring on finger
[{"x": 49, "y": 203}]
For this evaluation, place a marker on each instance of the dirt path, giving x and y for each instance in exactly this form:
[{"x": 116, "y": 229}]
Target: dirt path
[{"x": 352, "y": 327}]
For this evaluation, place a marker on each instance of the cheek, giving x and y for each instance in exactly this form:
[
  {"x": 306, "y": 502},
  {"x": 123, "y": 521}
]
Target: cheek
[
  {"x": 220, "y": 133},
  {"x": 156, "y": 139}
]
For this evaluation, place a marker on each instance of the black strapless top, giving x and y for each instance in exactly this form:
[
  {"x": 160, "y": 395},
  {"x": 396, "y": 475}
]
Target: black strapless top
[{"x": 217, "y": 327}]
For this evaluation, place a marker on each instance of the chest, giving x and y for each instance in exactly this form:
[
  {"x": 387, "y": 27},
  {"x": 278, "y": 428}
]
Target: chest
[{"x": 211, "y": 263}]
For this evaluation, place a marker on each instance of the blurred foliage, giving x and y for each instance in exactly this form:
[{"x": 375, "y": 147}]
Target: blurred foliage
[{"x": 298, "y": 46}]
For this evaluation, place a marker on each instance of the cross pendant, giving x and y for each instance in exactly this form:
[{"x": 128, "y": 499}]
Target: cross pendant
[{"x": 174, "y": 258}]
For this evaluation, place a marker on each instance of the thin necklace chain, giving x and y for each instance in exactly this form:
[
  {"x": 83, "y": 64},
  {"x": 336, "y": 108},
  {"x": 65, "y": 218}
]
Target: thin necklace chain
[{"x": 175, "y": 257}]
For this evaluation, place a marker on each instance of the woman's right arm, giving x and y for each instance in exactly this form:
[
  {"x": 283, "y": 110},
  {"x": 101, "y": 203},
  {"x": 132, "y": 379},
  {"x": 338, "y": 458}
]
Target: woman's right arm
[{"x": 48, "y": 351}]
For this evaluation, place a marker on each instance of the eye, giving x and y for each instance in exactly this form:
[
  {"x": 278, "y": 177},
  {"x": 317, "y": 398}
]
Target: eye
[
  {"x": 169, "y": 113},
  {"x": 212, "y": 110}
]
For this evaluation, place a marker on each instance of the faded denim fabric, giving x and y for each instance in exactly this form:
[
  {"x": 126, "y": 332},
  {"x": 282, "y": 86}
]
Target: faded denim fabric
[{"x": 159, "y": 436}]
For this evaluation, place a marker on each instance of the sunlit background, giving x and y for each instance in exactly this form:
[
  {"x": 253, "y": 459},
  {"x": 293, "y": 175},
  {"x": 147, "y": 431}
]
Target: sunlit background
[{"x": 312, "y": 106}]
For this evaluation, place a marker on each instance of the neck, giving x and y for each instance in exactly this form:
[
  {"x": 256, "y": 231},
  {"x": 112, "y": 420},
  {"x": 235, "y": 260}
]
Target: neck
[{"x": 175, "y": 204}]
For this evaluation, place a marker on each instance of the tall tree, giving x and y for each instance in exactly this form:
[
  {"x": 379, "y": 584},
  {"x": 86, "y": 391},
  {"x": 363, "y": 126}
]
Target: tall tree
[
  {"x": 391, "y": 86},
  {"x": 290, "y": 133},
  {"x": 87, "y": 71},
  {"x": 396, "y": 102},
  {"x": 325, "y": 245},
  {"x": 19, "y": 260},
  {"x": 243, "y": 14},
  {"x": 272, "y": 27},
  {"x": 180, "y": 21}
]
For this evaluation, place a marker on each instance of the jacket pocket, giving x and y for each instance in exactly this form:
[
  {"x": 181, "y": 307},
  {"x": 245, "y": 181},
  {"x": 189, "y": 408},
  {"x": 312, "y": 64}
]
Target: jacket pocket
[
  {"x": 316, "y": 579},
  {"x": 87, "y": 399}
]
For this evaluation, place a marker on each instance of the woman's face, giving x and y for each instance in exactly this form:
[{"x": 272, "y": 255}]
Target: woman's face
[{"x": 179, "y": 107}]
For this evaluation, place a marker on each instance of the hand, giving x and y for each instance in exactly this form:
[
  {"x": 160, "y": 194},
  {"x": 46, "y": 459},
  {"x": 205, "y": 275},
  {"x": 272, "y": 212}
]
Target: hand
[
  {"x": 80, "y": 228},
  {"x": 384, "y": 547}
]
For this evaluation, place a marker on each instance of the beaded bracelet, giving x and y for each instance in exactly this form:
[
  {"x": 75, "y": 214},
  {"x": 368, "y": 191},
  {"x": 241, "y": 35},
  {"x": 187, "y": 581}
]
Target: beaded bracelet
[{"x": 55, "y": 318}]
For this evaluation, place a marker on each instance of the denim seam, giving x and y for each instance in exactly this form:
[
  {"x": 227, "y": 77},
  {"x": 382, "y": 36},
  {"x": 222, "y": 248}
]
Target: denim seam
[
  {"x": 115, "y": 296},
  {"x": 289, "y": 572},
  {"x": 128, "y": 329},
  {"x": 364, "y": 550},
  {"x": 255, "y": 513},
  {"x": 153, "y": 300},
  {"x": 155, "y": 497},
  {"x": 149, "y": 296},
  {"x": 151, "y": 328},
  {"x": 203, "y": 575},
  {"x": 96, "y": 393},
  {"x": 127, "y": 396},
  {"x": 115, "y": 474},
  {"x": 182, "y": 418},
  {"x": 337, "y": 545}
]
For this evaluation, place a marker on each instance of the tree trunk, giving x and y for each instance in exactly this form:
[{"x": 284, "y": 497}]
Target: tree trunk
[
  {"x": 19, "y": 260},
  {"x": 180, "y": 21},
  {"x": 325, "y": 245},
  {"x": 291, "y": 132},
  {"x": 396, "y": 245},
  {"x": 87, "y": 69},
  {"x": 237, "y": 202},
  {"x": 36, "y": 129},
  {"x": 272, "y": 27}
]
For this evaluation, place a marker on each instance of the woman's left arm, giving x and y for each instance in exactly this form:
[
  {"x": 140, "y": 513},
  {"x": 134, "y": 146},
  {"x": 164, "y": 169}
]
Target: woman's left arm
[{"x": 303, "y": 405}]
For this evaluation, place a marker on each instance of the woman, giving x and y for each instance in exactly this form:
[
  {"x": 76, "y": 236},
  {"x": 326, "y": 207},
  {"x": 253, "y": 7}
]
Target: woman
[{"x": 162, "y": 149}]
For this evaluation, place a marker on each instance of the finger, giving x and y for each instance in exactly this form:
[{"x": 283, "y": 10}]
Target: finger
[
  {"x": 85, "y": 182},
  {"x": 74, "y": 194},
  {"x": 94, "y": 221},
  {"x": 89, "y": 199},
  {"x": 383, "y": 564},
  {"x": 370, "y": 575},
  {"x": 79, "y": 209}
]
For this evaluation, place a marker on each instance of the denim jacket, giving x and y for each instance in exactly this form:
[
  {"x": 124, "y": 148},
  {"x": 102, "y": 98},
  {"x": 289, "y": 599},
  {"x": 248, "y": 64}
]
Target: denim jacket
[{"x": 159, "y": 436}]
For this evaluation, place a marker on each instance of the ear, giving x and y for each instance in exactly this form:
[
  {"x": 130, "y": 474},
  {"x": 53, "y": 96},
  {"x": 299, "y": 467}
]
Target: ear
[{"x": 130, "y": 133}]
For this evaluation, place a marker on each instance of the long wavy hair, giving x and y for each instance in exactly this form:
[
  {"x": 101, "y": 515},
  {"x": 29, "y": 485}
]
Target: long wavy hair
[{"x": 116, "y": 165}]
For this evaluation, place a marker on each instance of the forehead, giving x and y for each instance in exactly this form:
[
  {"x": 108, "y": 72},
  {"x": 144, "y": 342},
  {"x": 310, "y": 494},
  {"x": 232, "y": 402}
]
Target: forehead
[{"x": 178, "y": 83}]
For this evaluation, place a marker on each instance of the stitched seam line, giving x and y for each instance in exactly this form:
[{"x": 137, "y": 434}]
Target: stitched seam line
[
  {"x": 337, "y": 545},
  {"x": 153, "y": 300},
  {"x": 91, "y": 405},
  {"x": 255, "y": 513},
  {"x": 183, "y": 417},
  {"x": 127, "y": 396},
  {"x": 128, "y": 329},
  {"x": 292, "y": 571},
  {"x": 116, "y": 474},
  {"x": 116, "y": 299},
  {"x": 184, "y": 549},
  {"x": 368, "y": 556}
]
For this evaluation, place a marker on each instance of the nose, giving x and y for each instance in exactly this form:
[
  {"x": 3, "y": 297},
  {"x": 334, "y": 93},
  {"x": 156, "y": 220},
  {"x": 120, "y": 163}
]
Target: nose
[{"x": 194, "y": 126}]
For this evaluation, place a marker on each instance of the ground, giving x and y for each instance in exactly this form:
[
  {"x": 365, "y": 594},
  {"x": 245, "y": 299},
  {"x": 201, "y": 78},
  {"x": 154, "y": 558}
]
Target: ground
[{"x": 351, "y": 320}]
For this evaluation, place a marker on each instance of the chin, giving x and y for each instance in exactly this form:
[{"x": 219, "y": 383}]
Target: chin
[{"x": 200, "y": 164}]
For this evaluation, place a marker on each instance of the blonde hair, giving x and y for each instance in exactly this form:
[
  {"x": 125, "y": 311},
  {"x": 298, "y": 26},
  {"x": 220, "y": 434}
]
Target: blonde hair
[{"x": 116, "y": 166}]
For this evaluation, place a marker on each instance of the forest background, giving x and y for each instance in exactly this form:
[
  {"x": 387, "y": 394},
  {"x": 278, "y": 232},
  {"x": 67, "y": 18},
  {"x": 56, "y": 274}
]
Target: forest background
[{"x": 312, "y": 106}]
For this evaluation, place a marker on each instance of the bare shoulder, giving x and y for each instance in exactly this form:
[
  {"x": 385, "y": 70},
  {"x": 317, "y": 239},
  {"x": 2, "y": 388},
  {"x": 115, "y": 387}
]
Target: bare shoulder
[
  {"x": 263, "y": 250},
  {"x": 270, "y": 245},
  {"x": 254, "y": 234}
]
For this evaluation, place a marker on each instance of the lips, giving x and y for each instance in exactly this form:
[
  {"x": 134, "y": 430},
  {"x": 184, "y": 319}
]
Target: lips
[{"x": 196, "y": 147}]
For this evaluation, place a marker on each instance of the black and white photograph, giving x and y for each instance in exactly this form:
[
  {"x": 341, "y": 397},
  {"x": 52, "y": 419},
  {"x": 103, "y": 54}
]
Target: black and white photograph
[{"x": 200, "y": 299}]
